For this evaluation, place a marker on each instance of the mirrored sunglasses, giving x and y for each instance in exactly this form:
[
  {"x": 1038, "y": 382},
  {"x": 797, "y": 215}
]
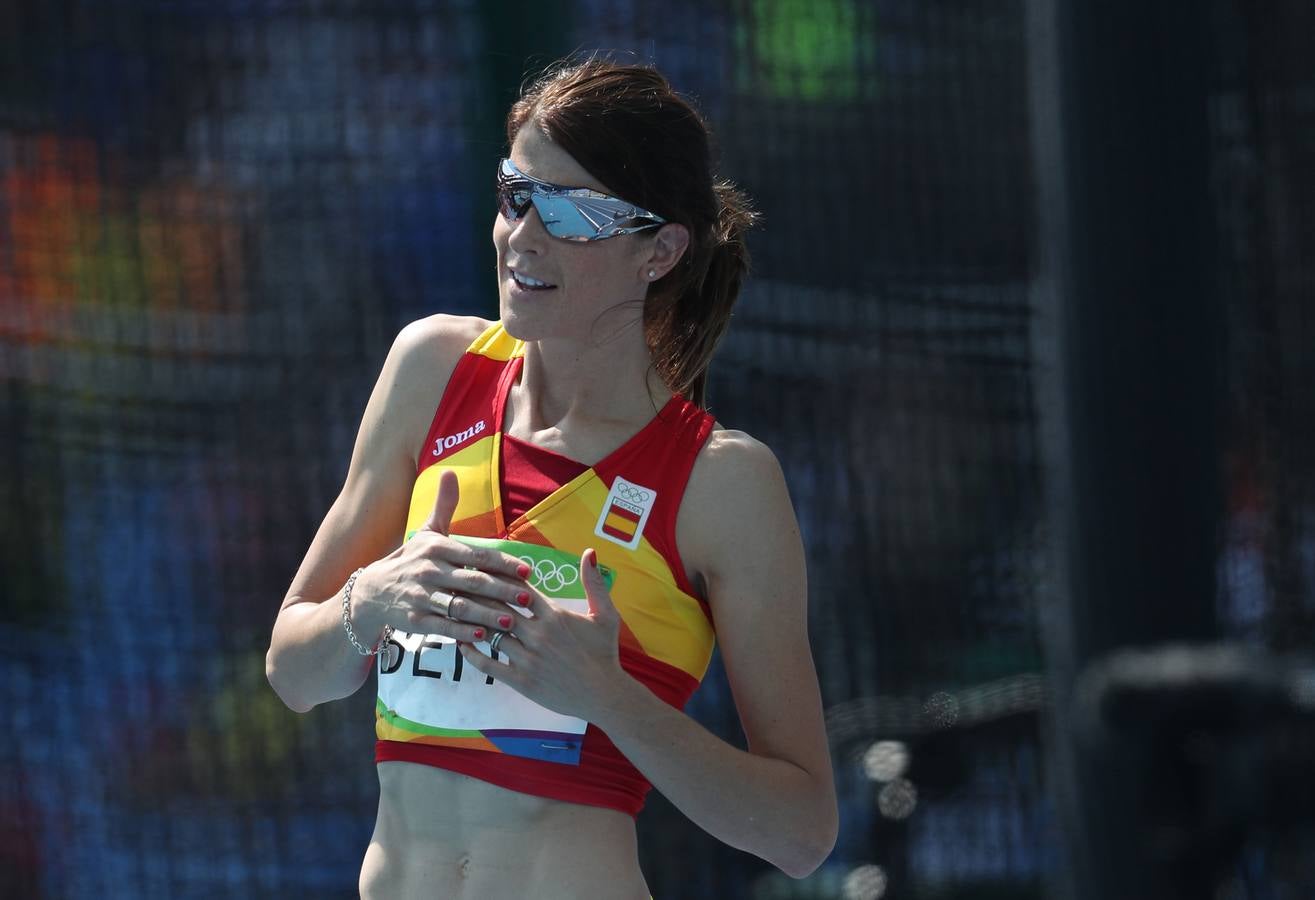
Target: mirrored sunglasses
[{"x": 572, "y": 214}]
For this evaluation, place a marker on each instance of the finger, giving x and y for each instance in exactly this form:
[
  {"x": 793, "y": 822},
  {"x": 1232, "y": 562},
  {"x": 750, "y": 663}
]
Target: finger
[
  {"x": 477, "y": 612},
  {"x": 486, "y": 559},
  {"x": 509, "y": 649},
  {"x": 477, "y": 583},
  {"x": 595, "y": 588},
  {"x": 432, "y": 623},
  {"x": 486, "y": 665},
  {"x": 445, "y": 502}
]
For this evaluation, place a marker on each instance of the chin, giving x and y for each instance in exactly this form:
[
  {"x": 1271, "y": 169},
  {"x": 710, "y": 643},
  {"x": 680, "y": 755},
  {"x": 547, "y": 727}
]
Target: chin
[
  {"x": 519, "y": 322},
  {"x": 516, "y": 326}
]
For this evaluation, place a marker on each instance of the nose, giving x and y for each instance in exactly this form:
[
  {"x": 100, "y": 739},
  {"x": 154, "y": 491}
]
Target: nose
[{"x": 527, "y": 233}]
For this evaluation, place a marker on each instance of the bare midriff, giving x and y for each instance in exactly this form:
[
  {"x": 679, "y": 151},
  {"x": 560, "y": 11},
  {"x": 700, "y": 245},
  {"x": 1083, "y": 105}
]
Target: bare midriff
[{"x": 440, "y": 834}]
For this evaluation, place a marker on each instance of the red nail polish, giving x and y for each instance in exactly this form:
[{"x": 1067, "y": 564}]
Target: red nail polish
[
  {"x": 523, "y": 598},
  {"x": 479, "y": 634},
  {"x": 523, "y": 570},
  {"x": 504, "y": 621}
]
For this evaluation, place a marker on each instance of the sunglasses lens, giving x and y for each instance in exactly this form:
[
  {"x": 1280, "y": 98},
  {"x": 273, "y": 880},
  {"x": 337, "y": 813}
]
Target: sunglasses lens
[
  {"x": 563, "y": 219},
  {"x": 580, "y": 216},
  {"x": 513, "y": 200}
]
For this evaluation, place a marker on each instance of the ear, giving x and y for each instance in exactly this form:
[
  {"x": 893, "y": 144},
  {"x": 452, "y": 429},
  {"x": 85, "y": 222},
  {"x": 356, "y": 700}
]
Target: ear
[{"x": 668, "y": 247}]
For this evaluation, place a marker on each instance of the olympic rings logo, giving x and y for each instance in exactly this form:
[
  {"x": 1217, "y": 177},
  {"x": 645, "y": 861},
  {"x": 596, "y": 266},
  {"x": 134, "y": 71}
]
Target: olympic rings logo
[
  {"x": 549, "y": 576},
  {"x": 632, "y": 493}
]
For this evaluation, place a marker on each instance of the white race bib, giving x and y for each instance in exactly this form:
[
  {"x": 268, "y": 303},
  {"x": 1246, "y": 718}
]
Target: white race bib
[{"x": 428, "y": 693}]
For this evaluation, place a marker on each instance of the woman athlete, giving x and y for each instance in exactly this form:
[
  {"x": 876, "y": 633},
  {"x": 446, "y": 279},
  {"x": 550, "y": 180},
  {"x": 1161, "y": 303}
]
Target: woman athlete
[{"x": 537, "y": 569}]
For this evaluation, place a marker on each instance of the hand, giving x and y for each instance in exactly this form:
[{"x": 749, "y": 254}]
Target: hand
[
  {"x": 565, "y": 661},
  {"x": 397, "y": 590}
]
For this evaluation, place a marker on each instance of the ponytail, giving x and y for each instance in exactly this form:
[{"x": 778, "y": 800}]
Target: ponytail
[{"x": 686, "y": 320}]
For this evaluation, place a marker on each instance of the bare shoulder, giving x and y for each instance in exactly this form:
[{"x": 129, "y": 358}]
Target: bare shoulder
[
  {"x": 735, "y": 505},
  {"x": 411, "y": 383},
  {"x": 409, "y": 386},
  {"x": 735, "y": 458},
  {"x": 432, "y": 342}
]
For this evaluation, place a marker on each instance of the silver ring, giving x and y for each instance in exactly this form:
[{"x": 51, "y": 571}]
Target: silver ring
[
  {"x": 442, "y": 600},
  {"x": 495, "y": 640}
]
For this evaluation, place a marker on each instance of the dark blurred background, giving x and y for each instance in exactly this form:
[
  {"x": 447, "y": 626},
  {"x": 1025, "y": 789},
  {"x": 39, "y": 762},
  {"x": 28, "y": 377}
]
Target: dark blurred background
[{"x": 1031, "y": 329}]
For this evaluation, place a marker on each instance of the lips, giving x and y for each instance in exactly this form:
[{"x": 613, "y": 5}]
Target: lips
[{"x": 529, "y": 283}]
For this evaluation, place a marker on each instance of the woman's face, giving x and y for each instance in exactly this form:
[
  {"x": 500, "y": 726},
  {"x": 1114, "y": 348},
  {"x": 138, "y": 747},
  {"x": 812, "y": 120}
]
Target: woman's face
[{"x": 586, "y": 278}]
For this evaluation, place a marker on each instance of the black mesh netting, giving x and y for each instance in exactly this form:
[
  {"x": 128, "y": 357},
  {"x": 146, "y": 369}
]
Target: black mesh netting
[{"x": 214, "y": 216}]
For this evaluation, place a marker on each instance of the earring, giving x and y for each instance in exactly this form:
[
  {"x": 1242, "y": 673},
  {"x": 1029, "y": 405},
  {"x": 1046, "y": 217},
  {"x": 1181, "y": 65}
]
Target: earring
[{"x": 652, "y": 273}]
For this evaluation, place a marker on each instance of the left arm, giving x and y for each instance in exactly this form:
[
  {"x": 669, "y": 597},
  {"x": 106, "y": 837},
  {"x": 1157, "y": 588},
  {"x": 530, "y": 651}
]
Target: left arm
[{"x": 777, "y": 800}]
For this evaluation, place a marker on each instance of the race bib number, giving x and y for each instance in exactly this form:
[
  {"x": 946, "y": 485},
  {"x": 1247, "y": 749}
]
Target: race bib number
[{"x": 428, "y": 694}]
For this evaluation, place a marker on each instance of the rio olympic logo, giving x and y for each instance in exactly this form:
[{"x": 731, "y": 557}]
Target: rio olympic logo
[{"x": 549, "y": 576}]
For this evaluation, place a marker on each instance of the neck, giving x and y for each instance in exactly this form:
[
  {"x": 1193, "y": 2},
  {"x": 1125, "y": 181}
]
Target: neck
[{"x": 608, "y": 379}]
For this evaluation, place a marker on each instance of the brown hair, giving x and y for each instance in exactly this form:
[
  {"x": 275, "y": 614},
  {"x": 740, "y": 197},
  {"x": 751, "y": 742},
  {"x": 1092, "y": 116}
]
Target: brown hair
[{"x": 630, "y": 129}]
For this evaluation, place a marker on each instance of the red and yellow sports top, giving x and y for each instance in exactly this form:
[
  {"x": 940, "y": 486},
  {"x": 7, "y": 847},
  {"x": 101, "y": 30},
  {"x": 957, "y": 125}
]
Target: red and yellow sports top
[{"x": 432, "y": 712}]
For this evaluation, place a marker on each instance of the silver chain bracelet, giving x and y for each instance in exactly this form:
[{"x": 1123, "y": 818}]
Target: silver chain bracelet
[{"x": 347, "y": 621}]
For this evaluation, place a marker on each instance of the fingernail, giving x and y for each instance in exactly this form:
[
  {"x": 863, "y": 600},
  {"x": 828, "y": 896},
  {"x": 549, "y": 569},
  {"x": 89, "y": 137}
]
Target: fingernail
[
  {"x": 593, "y": 562},
  {"x": 504, "y": 621},
  {"x": 523, "y": 570},
  {"x": 479, "y": 634},
  {"x": 523, "y": 598}
]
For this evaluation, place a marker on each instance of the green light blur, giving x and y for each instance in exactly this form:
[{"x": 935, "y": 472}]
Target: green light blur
[{"x": 806, "y": 50}]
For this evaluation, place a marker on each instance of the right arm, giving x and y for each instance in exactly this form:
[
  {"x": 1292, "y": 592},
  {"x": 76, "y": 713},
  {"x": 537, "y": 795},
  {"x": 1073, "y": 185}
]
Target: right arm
[{"x": 310, "y": 660}]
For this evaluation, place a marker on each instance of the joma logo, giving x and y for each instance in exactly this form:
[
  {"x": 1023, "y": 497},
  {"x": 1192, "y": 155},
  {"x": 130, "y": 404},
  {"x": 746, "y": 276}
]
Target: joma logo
[{"x": 449, "y": 441}]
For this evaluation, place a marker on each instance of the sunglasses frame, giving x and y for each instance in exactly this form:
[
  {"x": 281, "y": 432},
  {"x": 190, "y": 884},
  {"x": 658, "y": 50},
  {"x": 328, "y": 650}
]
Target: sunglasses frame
[{"x": 604, "y": 213}]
